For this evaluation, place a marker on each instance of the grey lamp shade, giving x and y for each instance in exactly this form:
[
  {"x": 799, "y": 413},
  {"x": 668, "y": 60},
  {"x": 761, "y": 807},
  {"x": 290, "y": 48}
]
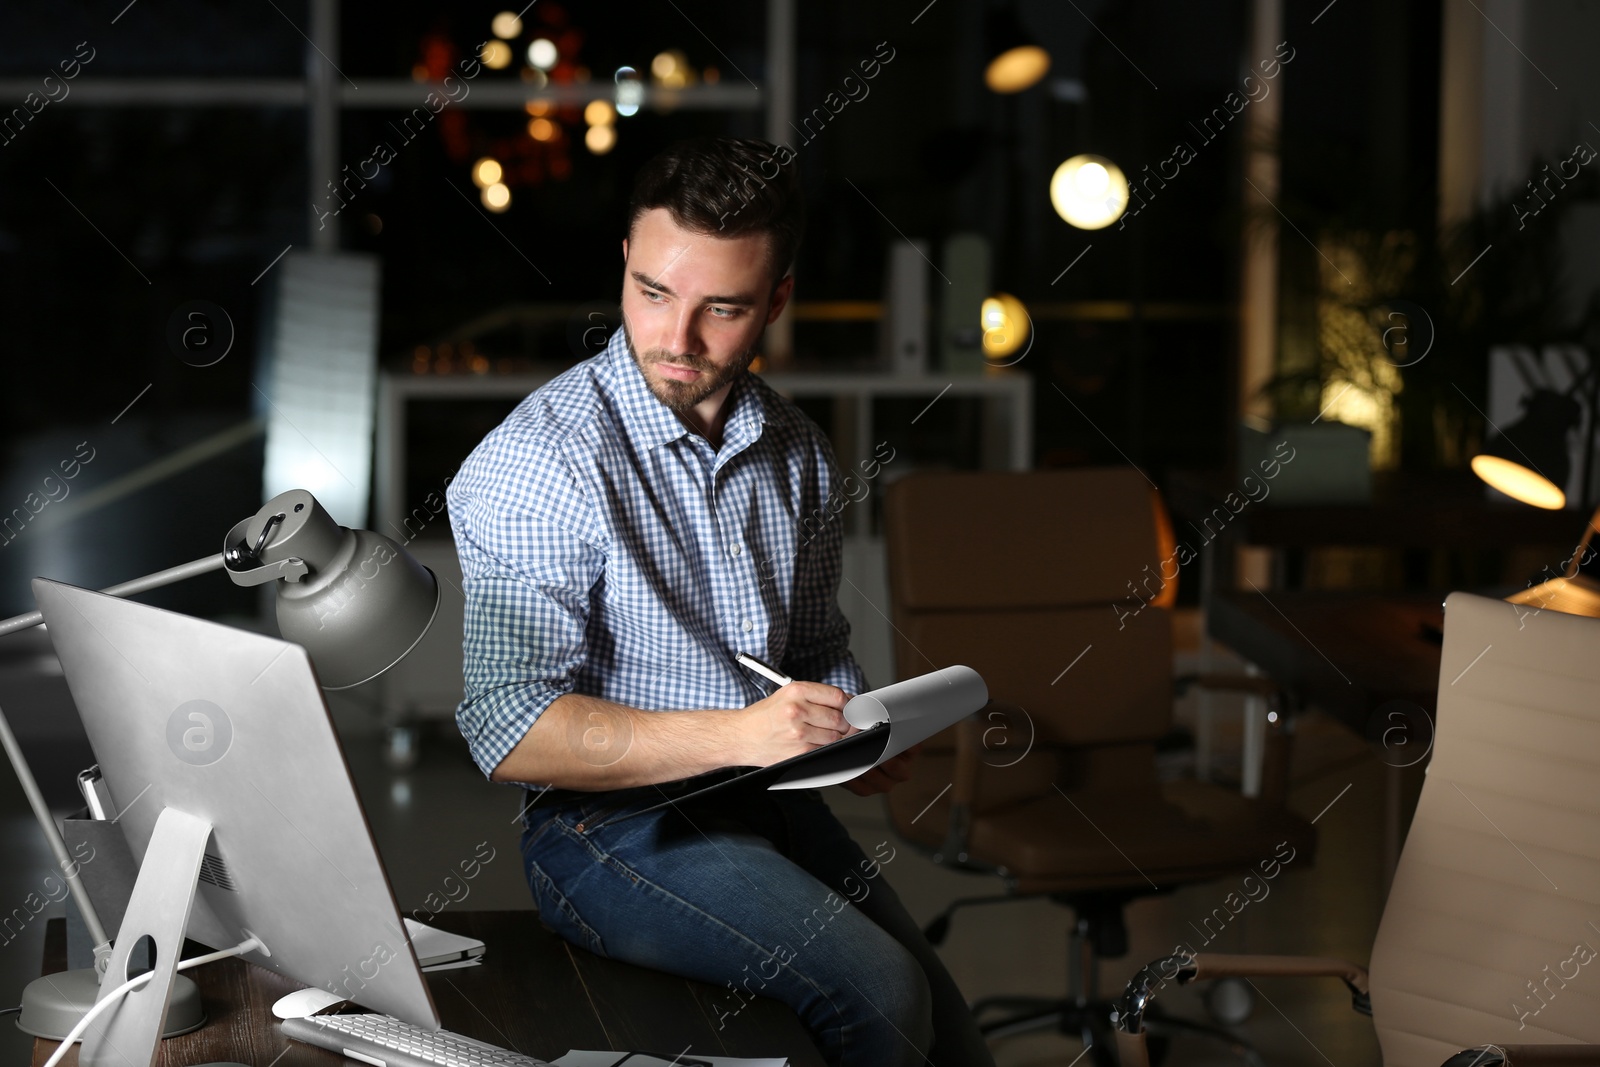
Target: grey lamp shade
[{"x": 364, "y": 603}]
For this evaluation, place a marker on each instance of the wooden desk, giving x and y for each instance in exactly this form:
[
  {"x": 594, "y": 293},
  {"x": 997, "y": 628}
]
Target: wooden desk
[
  {"x": 1442, "y": 509},
  {"x": 534, "y": 993},
  {"x": 1345, "y": 653},
  {"x": 1349, "y": 655}
]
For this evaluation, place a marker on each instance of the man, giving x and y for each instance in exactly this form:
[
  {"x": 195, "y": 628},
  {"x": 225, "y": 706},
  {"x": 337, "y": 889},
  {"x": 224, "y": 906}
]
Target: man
[{"x": 624, "y": 534}]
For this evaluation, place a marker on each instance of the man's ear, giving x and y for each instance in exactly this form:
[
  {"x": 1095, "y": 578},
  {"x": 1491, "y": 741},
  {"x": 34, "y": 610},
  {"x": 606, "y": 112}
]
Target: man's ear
[
  {"x": 624, "y": 250},
  {"x": 780, "y": 298}
]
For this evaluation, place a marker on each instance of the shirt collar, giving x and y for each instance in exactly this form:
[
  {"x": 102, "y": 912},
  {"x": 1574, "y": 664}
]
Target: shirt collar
[{"x": 650, "y": 423}]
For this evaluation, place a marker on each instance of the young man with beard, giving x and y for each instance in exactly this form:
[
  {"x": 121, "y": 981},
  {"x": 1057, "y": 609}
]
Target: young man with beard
[{"x": 624, "y": 534}]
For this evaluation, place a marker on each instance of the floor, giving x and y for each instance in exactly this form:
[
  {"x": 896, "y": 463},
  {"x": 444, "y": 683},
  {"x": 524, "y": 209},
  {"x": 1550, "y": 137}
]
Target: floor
[{"x": 441, "y": 811}]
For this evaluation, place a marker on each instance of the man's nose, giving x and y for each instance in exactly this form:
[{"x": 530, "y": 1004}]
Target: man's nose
[{"x": 682, "y": 337}]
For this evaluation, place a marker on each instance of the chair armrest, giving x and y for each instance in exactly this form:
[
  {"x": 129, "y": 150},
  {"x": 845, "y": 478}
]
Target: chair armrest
[
  {"x": 971, "y": 736},
  {"x": 1221, "y": 965},
  {"x": 964, "y": 789},
  {"x": 1185, "y": 967},
  {"x": 1527, "y": 1056}
]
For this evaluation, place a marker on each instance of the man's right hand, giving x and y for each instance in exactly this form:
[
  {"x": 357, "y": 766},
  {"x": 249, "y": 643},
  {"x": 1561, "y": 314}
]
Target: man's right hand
[{"x": 796, "y": 719}]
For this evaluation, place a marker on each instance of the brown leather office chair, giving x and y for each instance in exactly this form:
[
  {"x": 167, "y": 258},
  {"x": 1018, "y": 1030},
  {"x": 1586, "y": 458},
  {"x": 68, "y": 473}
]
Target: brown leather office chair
[
  {"x": 1490, "y": 937},
  {"x": 1050, "y": 585}
]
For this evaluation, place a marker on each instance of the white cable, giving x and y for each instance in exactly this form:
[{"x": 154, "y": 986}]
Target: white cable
[{"x": 247, "y": 945}]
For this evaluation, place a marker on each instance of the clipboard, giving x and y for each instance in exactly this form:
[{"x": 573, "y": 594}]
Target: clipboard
[{"x": 890, "y": 720}]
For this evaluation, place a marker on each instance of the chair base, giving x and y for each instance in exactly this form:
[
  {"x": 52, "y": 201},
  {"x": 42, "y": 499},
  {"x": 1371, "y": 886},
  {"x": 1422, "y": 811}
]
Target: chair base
[{"x": 1090, "y": 1022}]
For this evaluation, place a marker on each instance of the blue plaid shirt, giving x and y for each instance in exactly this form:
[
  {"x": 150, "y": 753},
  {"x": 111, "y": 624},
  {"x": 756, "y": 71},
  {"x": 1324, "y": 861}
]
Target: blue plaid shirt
[{"x": 609, "y": 550}]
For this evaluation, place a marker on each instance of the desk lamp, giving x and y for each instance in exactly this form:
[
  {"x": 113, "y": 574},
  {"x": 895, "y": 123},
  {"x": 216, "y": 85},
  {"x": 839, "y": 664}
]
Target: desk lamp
[
  {"x": 1528, "y": 461},
  {"x": 354, "y": 599}
]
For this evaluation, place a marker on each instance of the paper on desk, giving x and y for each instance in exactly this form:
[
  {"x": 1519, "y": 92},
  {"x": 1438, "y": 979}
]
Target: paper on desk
[
  {"x": 606, "y": 1059},
  {"x": 915, "y": 710},
  {"x": 454, "y": 965}
]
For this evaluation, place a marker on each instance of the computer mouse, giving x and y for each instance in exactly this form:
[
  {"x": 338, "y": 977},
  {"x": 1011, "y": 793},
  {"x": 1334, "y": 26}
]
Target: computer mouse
[{"x": 304, "y": 1002}]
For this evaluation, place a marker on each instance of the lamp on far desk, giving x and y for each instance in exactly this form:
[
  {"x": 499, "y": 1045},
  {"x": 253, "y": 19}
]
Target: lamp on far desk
[
  {"x": 354, "y": 599},
  {"x": 1529, "y": 462}
]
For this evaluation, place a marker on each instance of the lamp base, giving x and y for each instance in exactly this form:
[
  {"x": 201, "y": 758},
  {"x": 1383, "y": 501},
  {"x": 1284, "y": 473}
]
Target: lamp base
[{"x": 52, "y": 1005}]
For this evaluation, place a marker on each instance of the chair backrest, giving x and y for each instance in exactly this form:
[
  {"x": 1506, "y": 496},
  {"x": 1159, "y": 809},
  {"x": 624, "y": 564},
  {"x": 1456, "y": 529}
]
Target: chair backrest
[
  {"x": 1491, "y": 932},
  {"x": 1042, "y": 582}
]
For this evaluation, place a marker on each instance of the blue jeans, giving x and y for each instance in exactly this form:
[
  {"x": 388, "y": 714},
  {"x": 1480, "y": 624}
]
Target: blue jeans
[{"x": 761, "y": 894}]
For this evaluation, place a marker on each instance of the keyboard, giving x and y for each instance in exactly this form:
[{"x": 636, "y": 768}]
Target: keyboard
[{"x": 388, "y": 1042}]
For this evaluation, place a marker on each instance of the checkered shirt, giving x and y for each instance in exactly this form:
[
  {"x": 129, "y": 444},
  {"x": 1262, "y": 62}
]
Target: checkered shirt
[{"x": 609, "y": 550}]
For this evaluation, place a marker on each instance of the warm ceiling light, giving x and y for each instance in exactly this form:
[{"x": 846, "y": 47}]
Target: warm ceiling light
[
  {"x": 486, "y": 172},
  {"x": 1017, "y": 69},
  {"x": 1005, "y": 325},
  {"x": 496, "y": 197},
  {"x": 542, "y": 53},
  {"x": 539, "y": 107},
  {"x": 507, "y": 25},
  {"x": 496, "y": 55},
  {"x": 1016, "y": 62},
  {"x": 599, "y": 113},
  {"x": 671, "y": 69},
  {"x": 1090, "y": 192},
  {"x": 600, "y": 139},
  {"x": 541, "y": 129}
]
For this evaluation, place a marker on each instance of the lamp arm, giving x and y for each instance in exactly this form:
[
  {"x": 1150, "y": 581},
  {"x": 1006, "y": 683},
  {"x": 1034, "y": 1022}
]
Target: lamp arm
[
  {"x": 1577, "y": 556},
  {"x": 170, "y": 576},
  {"x": 47, "y": 822},
  {"x": 19, "y": 763}
]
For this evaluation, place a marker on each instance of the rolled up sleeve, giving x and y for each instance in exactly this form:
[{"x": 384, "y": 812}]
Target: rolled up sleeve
[{"x": 528, "y": 568}]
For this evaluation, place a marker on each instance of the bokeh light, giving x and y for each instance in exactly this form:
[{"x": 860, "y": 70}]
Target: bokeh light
[
  {"x": 496, "y": 55},
  {"x": 1005, "y": 325},
  {"x": 507, "y": 25},
  {"x": 486, "y": 172},
  {"x": 1088, "y": 191},
  {"x": 496, "y": 197},
  {"x": 542, "y": 53}
]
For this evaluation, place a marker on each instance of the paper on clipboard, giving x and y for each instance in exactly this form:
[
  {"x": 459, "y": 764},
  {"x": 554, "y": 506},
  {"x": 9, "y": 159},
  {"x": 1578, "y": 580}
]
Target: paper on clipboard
[
  {"x": 890, "y": 720},
  {"x": 914, "y": 710}
]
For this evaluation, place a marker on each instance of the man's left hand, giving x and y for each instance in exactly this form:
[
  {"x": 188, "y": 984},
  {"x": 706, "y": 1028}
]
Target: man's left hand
[{"x": 884, "y": 777}]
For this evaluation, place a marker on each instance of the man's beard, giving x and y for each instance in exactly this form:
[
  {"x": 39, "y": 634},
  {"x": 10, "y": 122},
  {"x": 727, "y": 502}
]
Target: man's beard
[{"x": 683, "y": 396}]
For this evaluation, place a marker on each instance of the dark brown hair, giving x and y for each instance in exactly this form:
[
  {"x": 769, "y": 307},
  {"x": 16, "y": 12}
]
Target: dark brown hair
[{"x": 726, "y": 187}]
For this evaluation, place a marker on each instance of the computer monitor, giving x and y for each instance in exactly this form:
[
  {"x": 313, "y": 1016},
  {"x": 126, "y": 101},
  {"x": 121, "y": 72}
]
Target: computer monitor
[{"x": 234, "y": 795}]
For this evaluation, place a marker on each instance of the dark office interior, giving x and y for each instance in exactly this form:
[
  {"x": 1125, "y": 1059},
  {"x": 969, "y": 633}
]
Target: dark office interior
[{"x": 1199, "y": 405}]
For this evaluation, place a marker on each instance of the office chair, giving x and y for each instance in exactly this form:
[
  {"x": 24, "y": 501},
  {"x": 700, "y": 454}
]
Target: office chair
[
  {"x": 1050, "y": 585},
  {"x": 1486, "y": 952}
]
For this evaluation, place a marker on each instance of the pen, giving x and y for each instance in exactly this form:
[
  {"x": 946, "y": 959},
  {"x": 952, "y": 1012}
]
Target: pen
[{"x": 771, "y": 674}]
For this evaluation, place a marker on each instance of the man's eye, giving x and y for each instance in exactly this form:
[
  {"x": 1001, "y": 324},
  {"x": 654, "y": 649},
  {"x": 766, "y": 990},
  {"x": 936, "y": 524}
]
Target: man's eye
[
  {"x": 724, "y": 313},
  {"x": 652, "y": 296}
]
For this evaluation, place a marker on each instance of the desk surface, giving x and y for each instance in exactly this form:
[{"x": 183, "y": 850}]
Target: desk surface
[
  {"x": 534, "y": 993},
  {"x": 1446, "y": 509},
  {"x": 1347, "y": 653}
]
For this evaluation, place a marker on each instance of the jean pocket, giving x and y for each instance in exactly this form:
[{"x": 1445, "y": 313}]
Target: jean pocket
[
  {"x": 557, "y": 912},
  {"x": 593, "y": 813}
]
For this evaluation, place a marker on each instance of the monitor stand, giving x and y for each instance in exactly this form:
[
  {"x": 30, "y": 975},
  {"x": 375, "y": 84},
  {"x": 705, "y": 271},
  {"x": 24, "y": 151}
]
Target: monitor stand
[{"x": 163, "y": 894}]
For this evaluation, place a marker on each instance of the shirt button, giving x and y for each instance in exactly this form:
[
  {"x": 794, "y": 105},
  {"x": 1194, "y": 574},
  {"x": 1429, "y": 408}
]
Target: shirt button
[
  {"x": 748, "y": 626},
  {"x": 736, "y": 550}
]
